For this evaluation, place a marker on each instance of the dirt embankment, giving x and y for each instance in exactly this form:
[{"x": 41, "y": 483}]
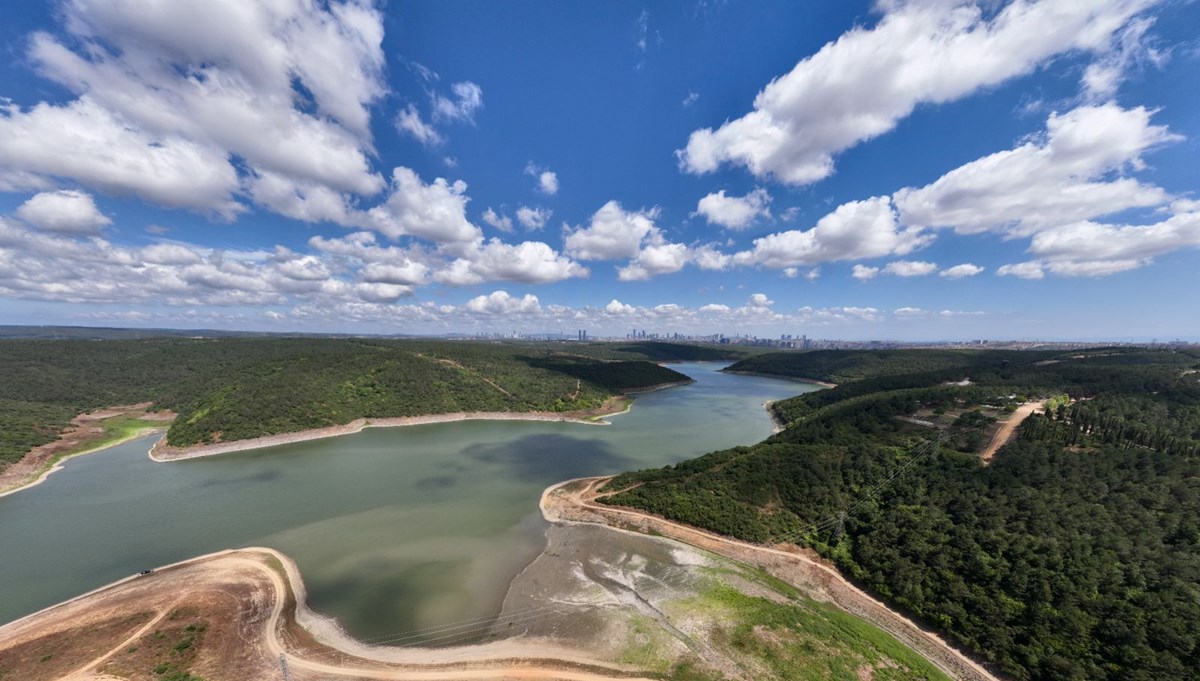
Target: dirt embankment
[
  {"x": 574, "y": 502},
  {"x": 797, "y": 379},
  {"x": 75, "y": 440},
  {"x": 1007, "y": 429},
  {"x": 164, "y": 452},
  {"x": 778, "y": 425},
  {"x": 657, "y": 387},
  {"x": 592, "y": 417},
  {"x": 230, "y": 616}
]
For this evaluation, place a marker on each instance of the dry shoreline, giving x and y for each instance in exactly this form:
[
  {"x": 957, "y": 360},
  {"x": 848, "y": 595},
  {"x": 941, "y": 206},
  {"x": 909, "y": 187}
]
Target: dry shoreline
[
  {"x": 797, "y": 379},
  {"x": 324, "y": 647},
  {"x": 85, "y": 431},
  {"x": 162, "y": 452},
  {"x": 572, "y": 502},
  {"x": 777, "y": 424},
  {"x": 276, "y": 621},
  {"x": 57, "y": 464}
]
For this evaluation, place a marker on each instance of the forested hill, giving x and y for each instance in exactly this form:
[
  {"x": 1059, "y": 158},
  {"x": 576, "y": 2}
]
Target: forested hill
[
  {"x": 841, "y": 366},
  {"x": 1075, "y": 554},
  {"x": 233, "y": 389}
]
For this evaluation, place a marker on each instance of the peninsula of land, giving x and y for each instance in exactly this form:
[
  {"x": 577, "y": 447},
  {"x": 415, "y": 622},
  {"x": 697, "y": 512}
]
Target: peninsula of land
[{"x": 219, "y": 396}]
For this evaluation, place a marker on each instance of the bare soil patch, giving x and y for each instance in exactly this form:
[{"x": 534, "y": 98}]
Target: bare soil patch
[
  {"x": 84, "y": 430},
  {"x": 228, "y": 617},
  {"x": 1007, "y": 429},
  {"x": 574, "y": 501}
]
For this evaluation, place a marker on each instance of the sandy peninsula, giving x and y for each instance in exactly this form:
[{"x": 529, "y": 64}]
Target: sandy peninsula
[{"x": 85, "y": 435}]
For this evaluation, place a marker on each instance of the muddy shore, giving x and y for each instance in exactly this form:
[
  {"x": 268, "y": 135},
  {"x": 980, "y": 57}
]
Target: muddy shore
[
  {"x": 252, "y": 604},
  {"x": 797, "y": 379},
  {"x": 573, "y": 502},
  {"x": 42, "y": 461},
  {"x": 615, "y": 406},
  {"x": 162, "y": 452}
]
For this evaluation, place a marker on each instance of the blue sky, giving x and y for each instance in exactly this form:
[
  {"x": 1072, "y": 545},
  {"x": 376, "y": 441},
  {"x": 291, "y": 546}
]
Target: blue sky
[{"x": 925, "y": 169}]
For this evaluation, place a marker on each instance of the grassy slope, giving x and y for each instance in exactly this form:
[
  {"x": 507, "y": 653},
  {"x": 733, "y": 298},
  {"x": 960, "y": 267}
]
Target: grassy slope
[
  {"x": 782, "y": 637},
  {"x": 809, "y": 641}
]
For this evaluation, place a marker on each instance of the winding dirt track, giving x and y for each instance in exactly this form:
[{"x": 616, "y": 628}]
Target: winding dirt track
[
  {"x": 88, "y": 670},
  {"x": 573, "y": 501}
]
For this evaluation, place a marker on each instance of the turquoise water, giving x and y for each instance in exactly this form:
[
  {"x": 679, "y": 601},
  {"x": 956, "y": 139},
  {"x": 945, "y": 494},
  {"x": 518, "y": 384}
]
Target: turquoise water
[{"x": 393, "y": 528}]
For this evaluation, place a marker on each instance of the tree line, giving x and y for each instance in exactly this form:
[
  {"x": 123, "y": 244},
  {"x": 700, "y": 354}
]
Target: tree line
[{"x": 1074, "y": 555}]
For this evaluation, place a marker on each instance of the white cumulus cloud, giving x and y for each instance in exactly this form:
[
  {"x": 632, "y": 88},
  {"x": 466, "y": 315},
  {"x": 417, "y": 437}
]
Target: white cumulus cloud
[
  {"x": 1022, "y": 270},
  {"x": 910, "y": 268},
  {"x": 162, "y": 105},
  {"x": 864, "y": 272},
  {"x": 1059, "y": 178},
  {"x": 657, "y": 257},
  {"x": 759, "y": 300},
  {"x": 959, "y": 271},
  {"x": 862, "y": 84},
  {"x": 612, "y": 233},
  {"x": 734, "y": 212},
  {"x": 529, "y": 262},
  {"x": 435, "y": 211},
  {"x": 858, "y": 229},
  {"x": 547, "y": 180},
  {"x": 66, "y": 210},
  {"x": 409, "y": 121},
  {"x": 501, "y": 222},
  {"x": 501, "y": 303},
  {"x": 533, "y": 218}
]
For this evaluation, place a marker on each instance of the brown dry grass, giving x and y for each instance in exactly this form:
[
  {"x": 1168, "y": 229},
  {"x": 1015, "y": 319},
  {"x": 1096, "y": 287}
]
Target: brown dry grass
[{"x": 84, "y": 430}]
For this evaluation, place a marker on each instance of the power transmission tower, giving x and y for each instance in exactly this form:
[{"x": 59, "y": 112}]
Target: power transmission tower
[
  {"x": 287, "y": 675},
  {"x": 841, "y": 525}
]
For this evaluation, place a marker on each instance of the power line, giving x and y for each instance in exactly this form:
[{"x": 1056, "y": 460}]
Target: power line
[
  {"x": 447, "y": 625},
  {"x": 417, "y": 638},
  {"x": 838, "y": 519}
]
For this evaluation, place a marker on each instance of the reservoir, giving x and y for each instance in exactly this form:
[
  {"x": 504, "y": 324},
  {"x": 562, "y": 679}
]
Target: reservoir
[{"x": 393, "y": 529}]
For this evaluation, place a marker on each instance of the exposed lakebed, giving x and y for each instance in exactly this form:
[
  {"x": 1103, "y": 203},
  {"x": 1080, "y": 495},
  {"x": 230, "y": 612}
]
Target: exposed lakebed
[{"x": 393, "y": 529}]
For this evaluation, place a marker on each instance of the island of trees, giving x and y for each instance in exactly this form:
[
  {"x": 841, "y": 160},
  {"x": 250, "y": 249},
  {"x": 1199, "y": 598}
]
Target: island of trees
[{"x": 1074, "y": 553}]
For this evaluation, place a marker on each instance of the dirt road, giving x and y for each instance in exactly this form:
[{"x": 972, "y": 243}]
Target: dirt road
[
  {"x": 1007, "y": 429},
  {"x": 573, "y": 501},
  {"x": 88, "y": 670}
]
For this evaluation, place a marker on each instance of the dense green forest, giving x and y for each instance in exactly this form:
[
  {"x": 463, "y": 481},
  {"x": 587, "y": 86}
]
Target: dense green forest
[
  {"x": 235, "y": 388},
  {"x": 1075, "y": 554},
  {"x": 840, "y": 366}
]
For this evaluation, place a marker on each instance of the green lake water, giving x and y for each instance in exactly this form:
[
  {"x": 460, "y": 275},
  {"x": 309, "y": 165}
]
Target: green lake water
[{"x": 393, "y": 528}]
